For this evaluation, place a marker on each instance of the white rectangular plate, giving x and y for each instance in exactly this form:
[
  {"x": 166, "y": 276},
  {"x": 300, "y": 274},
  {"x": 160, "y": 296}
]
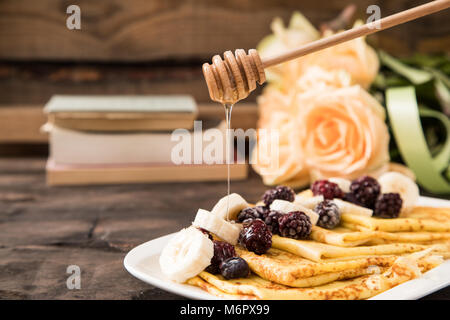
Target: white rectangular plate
[{"x": 143, "y": 263}]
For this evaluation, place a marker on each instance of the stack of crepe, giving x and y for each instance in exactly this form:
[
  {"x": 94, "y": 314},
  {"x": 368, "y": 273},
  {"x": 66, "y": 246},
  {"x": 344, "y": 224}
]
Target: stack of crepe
[{"x": 359, "y": 259}]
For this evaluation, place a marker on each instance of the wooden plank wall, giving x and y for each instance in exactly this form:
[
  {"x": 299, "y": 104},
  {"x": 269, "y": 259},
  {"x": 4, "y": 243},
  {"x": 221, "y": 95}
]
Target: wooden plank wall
[{"x": 157, "y": 46}]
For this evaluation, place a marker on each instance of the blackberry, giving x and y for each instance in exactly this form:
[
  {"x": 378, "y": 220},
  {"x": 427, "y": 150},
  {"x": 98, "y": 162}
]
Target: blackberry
[
  {"x": 222, "y": 251},
  {"x": 366, "y": 191},
  {"x": 280, "y": 192},
  {"x": 296, "y": 225},
  {"x": 388, "y": 205},
  {"x": 329, "y": 214},
  {"x": 328, "y": 189},
  {"x": 271, "y": 220},
  {"x": 258, "y": 212},
  {"x": 255, "y": 236},
  {"x": 234, "y": 267},
  {"x": 349, "y": 197}
]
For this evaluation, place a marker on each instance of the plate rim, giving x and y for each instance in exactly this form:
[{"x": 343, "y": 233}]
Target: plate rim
[{"x": 192, "y": 292}]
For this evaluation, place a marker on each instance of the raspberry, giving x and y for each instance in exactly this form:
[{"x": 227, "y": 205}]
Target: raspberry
[
  {"x": 296, "y": 225},
  {"x": 255, "y": 236},
  {"x": 222, "y": 251},
  {"x": 329, "y": 215},
  {"x": 258, "y": 212},
  {"x": 280, "y": 192},
  {"x": 388, "y": 205},
  {"x": 328, "y": 189},
  {"x": 235, "y": 267},
  {"x": 365, "y": 190},
  {"x": 271, "y": 220}
]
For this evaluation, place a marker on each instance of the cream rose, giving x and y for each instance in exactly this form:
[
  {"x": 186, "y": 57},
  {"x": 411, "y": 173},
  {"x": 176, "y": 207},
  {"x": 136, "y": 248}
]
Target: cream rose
[
  {"x": 341, "y": 133},
  {"x": 277, "y": 112}
]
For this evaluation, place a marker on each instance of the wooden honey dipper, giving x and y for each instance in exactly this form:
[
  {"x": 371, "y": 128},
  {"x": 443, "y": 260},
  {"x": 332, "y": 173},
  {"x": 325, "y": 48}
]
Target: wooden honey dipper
[{"x": 233, "y": 78}]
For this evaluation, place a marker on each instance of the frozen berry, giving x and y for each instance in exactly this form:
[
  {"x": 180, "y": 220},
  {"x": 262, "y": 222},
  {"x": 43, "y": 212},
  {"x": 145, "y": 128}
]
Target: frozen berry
[
  {"x": 258, "y": 212},
  {"x": 388, "y": 205},
  {"x": 366, "y": 191},
  {"x": 349, "y": 197},
  {"x": 235, "y": 267},
  {"x": 222, "y": 251},
  {"x": 296, "y": 225},
  {"x": 271, "y": 221},
  {"x": 255, "y": 236},
  {"x": 329, "y": 214},
  {"x": 280, "y": 192},
  {"x": 329, "y": 190}
]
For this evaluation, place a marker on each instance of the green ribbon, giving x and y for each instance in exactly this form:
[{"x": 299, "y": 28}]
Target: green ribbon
[{"x": 404, "y": 117}]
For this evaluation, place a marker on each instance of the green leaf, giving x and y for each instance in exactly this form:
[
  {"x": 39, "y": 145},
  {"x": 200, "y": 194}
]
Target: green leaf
[
  {"x": 426, "y": 60},
  {"x": 443, "y": 95},
  {"x": 408, "y": 133},
  {"x": 439, "y": 75},
  {"x": 416, "y": 76},
  {"x": 441, "y": 160}
]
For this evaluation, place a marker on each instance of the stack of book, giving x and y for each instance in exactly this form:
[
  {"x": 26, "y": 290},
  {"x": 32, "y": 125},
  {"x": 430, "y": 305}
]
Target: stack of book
[{"x": 128, "y": 139}]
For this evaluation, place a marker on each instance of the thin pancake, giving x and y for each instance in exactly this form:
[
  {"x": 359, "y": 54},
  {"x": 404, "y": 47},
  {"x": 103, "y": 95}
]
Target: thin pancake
[
  {"x": 346, "y": 237},
  {"x": 431, "y": 213},
  {"x": 403, "y": 269},
  {"x": 420, "y": 219},
  {"x": 318, "y": 251},
  {"x": 289, "y": 269},
  {"x": 199, "y": 282}
]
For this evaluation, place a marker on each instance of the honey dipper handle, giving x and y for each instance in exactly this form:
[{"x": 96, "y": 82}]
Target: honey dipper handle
[{"x": 366, "y": 29}]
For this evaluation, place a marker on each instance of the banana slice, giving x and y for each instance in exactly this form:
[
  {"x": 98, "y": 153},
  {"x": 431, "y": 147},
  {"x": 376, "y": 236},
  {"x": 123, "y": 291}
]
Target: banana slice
[
  {"x": 235, "y": 204},
  {"x": 225, "y": 230},
  {"x": 350, "y": 208},
  {"x": 308, "y": 202},
  {"x": 399, "y": 183},
  {"x": 286, "y": 207},
  {"x": 344, "y": 184},
  {"x": 187, "y": 254}
]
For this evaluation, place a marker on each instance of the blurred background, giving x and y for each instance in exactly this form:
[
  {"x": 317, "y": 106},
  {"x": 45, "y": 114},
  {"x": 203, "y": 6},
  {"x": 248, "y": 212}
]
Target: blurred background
[{"x": 153, "y": 47}]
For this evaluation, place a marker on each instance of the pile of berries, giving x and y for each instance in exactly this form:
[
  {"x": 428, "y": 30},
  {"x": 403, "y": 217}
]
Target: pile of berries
[
  {"x": 256, "y": 234},
  {"x": 226, "y": 263},
  {"x": 260, "y": 222},
  {"x": 364, "y": 191}
]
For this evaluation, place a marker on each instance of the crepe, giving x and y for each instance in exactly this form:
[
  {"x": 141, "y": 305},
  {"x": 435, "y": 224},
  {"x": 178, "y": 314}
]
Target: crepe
[
  {"x": 202, "y": 284},
  {"x": 318, "y": 251},
  {"x": 403, "y": 269},
  {"x": 289, "y": 269},
  {"x": 418, "y": 219},
  {"x": 346, "y": 237}
]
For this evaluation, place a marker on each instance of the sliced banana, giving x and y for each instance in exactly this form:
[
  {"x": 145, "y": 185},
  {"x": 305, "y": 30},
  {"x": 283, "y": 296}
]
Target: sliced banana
[
  {"x": 286, "y": 207},
  {"x": 399, "y": 183},
  {"x": 308, "y": 202},
  {"x": 234, "y": 202},
  {"x": 187, "y": 254},
  {"x": 344, "y": 184},
  {"x": 225, "y": 230},
  {"x": 350, "y": 208}
]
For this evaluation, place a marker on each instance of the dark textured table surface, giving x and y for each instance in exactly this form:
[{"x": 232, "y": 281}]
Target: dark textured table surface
[{"x": 43, "y": 230}]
